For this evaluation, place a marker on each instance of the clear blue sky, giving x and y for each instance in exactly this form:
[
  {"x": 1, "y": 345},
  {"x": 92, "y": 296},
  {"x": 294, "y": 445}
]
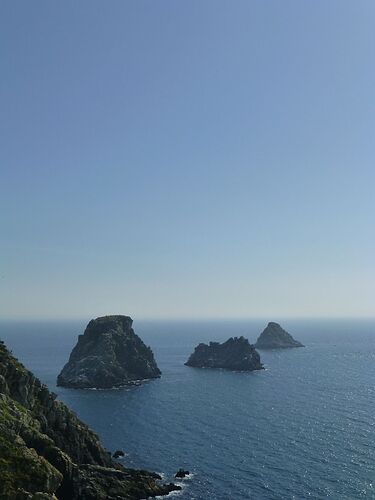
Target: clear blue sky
[{"x": 203, "y": 158}]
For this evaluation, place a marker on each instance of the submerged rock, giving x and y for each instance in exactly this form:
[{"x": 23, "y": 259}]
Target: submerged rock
[
  {"x": 118, "y": 454},
  {"x": 275, "y": 337},
  {"x": 46, "y": 452},
  {"x": 109, "y": 354},
  {"x": 234, "y": 354}
]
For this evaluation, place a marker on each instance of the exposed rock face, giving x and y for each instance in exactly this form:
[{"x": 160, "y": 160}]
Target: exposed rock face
[
  {"x": 108, "y": 354},
  {"x": 47, "y": 452},
  {"x": 275, "y": 337},
  {"x": 181, "y": 473},
  {"x": 234, "y": 354}
]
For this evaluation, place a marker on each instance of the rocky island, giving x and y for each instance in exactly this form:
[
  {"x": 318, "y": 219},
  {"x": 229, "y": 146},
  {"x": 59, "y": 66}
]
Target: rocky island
[
  {"x": 109, "y": 354},
  {"x": 275, "y": 337},
  {"x": 235, "y": 354},
  {"x": 47, "y": 453}
]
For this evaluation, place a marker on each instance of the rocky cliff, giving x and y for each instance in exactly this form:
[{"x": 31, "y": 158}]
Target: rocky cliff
[
  {"x": 234, "y": 354},
  {"x": 46, "y": 452},
  {"x": 108, "y": 354},
  {"x": 275, "y": 337}
]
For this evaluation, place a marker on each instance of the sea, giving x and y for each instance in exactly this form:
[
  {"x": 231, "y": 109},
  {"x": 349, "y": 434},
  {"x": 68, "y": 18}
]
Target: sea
[{"x": 303, "y": 428}]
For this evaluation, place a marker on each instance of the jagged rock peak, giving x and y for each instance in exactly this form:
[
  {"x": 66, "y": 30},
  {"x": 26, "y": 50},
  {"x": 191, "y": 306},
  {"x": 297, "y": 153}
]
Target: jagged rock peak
[
  {"x": 108, "y": 354},
  {"x": 275, "y": 337},
  {"x": 235, "y": 354}
]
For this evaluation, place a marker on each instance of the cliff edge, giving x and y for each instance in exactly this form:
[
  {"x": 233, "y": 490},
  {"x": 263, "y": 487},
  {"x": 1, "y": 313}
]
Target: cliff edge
[{"x": 46, "y": 452}]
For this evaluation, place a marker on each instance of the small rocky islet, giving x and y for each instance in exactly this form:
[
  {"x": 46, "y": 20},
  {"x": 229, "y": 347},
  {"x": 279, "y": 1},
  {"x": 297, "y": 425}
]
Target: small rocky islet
[
  {"x": 109, "y": 354},
  {"x": 275, "y": 337},
  {"x": 182, "y": 473},
  {"x": 236, "y": 354},
  {"x": 47, "y": 452}
]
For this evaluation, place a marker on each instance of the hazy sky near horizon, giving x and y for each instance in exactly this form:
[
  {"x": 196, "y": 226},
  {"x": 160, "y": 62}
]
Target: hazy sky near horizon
[{"x": 187, "y": 159}]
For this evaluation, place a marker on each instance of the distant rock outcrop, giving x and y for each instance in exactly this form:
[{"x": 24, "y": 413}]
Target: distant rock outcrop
[
  {"x": 47, "y": 453},
  {"x": 234, "y": 354},
  {"x": 275, "y": 337},
  {"x": 108, "y": 354}
]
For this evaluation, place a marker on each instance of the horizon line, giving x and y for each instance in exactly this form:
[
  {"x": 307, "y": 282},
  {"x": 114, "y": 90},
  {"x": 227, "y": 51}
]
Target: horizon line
[{"x": 190, "y": 318}]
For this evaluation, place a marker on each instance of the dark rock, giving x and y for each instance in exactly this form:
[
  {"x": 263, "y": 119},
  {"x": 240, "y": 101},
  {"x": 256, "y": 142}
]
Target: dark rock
[
  {"x": 118, "y": 454},
  {"x": 181, "y": 473},
  {"x": 109, "y": 354},
  {"x": 46, "y": 452},
  {"x": 234, "y": 354},
  {"x": 275, "y": 337}
]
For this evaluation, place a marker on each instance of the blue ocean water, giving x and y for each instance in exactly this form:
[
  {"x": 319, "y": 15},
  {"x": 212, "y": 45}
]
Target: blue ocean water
[{"x": 301, "y": 429}]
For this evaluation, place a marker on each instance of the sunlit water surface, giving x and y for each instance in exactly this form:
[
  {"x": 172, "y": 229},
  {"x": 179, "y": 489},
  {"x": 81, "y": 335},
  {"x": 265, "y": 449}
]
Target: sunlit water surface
[{"x": 302, "y": 428}]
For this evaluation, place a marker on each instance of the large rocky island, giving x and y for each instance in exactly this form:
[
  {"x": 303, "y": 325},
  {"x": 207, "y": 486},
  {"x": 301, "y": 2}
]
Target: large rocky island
[
  {"x": 109, "y": 354},
  {"x": 47, "y": 453},
  {"x": 275, "y": 337},
  {"x": 235, "y": 354}
]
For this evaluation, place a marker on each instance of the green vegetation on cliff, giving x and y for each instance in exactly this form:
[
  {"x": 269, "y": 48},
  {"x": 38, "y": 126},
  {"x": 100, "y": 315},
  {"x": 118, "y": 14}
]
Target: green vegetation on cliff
[
  {"x": 21, "y": 468},
  {"x": 46, "y": 452}
]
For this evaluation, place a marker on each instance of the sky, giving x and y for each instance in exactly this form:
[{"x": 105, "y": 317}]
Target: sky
[{"x": 196, "y": 159}]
